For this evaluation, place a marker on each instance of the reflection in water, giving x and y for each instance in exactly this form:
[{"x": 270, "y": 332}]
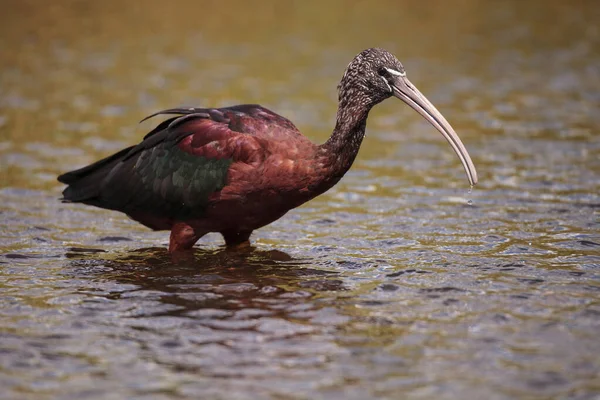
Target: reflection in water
[
  {"x": 216, "y": 271},
  {"x": 220, "y": 314}
]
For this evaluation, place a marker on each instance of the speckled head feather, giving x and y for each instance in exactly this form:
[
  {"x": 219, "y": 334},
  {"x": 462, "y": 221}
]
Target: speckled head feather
[
  {"x": 365, "y": 77},
  {"x": 366, "y": 82}
]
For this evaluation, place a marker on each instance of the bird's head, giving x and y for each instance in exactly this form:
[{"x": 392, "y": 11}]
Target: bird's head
[
  {"x": 375, "y": 75},
  {"x": 371, "y": 74}
]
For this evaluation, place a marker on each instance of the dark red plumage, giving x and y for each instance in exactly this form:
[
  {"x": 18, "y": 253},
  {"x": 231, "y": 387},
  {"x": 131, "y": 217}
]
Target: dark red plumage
[
  {"x": 235, "y": 169},
  {"x": 274, "y": 168}
]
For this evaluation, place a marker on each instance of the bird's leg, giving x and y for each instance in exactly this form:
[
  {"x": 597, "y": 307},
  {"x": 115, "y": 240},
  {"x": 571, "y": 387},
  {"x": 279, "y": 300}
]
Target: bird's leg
[
  {"x": 236, "y": 238},
  {"x": 183, "y": 237}
]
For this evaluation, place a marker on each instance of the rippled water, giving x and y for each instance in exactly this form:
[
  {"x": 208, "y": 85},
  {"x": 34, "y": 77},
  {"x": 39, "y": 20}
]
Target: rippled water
[{"x": 398, "y": 283}]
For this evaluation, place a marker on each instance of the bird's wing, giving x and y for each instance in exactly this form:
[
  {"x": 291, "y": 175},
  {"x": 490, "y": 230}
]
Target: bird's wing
[{"x": 174, "y": 171}]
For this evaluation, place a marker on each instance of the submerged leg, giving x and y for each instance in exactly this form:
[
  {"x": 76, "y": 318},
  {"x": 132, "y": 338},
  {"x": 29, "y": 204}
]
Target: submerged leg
[
  {"x": 183, "y": 237},
  {"x": 235, "y": 238}
]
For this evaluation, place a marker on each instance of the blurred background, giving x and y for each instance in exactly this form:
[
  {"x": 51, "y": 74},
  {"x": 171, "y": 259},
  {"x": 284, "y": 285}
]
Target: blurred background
[{"x": 397, "y": 283}]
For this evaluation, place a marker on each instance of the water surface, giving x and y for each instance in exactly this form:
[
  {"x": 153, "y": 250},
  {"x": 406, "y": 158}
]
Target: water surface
[{"x": 397, "y": 283}]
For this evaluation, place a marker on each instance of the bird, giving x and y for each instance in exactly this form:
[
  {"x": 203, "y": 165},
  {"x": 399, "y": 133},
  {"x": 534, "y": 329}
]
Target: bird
[{"x": 235, "y": 169}]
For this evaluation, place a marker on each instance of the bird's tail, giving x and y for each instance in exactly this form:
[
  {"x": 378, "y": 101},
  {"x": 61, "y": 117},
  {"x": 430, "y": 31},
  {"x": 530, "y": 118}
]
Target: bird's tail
[{"x": 85, "y": 183}]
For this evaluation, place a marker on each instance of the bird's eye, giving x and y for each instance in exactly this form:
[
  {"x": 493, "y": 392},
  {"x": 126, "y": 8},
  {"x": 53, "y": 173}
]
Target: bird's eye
[{"x": 382, "y": 71}]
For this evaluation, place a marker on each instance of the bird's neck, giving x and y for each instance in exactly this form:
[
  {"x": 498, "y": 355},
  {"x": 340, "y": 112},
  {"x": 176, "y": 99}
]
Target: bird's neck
[{"x": 341, "y": 148}]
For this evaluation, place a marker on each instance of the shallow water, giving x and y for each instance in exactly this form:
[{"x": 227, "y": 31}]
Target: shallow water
[{"x": 397, "y": 283}]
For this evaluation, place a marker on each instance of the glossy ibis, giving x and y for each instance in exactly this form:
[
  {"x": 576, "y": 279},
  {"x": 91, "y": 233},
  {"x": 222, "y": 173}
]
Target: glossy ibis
[{"x": 235, "y": 169}]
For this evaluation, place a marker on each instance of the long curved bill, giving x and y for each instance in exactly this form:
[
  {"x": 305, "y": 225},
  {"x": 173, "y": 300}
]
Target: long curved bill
[{"x": 408, "y": 93}]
